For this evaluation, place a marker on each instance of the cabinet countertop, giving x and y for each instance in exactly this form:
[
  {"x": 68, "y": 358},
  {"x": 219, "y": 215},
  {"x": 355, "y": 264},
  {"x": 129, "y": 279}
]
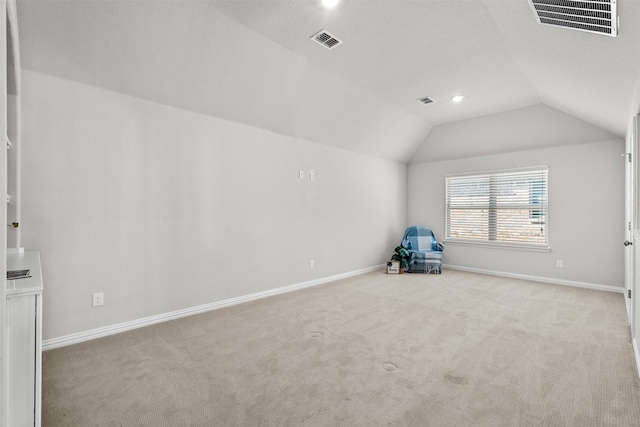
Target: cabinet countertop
[{"x": 23, "y": 260}]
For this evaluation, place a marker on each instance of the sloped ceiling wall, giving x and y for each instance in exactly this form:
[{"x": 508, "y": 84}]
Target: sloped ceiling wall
[
  {"x": 252, "y": 62},
  {"x": 527, "y": 128},
  {"x": 186, "y": 55},
  {"x": 589, "y": 76}
]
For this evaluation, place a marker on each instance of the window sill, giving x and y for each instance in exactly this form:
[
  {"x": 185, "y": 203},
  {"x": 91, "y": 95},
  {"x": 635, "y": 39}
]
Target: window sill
[{"x": 500, "y": 245}]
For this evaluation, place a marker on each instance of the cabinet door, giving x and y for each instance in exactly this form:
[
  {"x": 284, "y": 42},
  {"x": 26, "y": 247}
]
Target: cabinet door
[{"x": 21, "y": 340}]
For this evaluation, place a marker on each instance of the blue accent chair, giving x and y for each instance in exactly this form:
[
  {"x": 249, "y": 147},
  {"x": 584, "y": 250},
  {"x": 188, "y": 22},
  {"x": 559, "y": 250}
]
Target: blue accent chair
[{"x": 426, "y": 251}]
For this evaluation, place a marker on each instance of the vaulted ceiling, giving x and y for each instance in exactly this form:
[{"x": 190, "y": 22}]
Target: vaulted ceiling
[{"x": 254, "y": 62}]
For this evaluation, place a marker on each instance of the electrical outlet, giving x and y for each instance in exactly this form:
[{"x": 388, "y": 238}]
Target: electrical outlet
[
  {"x": 312, "y": 263},
  {"x": 559, "y": 263},
  {"x": 98, "y": 299}
]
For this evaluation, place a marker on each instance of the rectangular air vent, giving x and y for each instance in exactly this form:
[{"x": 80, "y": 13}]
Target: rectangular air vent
[
  {"x": 426, "y": 100},
  {"x": 327, "y": 40},
  {"x": 594, "y": 16}
]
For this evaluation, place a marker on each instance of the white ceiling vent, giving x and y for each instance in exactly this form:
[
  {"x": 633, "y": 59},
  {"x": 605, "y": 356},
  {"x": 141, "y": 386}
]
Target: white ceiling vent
[
  {"x": 327, "y": 40},
  {"x": 594, "y": 16},
  {"x": 426, "y": 100}
]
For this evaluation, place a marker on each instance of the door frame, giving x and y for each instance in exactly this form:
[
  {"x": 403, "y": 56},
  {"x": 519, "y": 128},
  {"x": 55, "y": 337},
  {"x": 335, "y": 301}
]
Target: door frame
[
  {"x": 632, "y": 191},
  {"x": 631, "y": 198}
]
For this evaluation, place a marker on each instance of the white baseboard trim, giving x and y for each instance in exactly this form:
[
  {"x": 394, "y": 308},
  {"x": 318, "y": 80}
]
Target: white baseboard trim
[
  {"x": 637, "y": 353},
  {"x": 139, "y": 323},
  {"x": 563, "y": 282}
]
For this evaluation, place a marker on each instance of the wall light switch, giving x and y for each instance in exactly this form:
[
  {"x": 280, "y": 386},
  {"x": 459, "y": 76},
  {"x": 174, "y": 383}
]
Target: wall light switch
[
  {"x": 301, "y": 174},
  {"x": 312, "y": 175},
  {"x": 312, "y": 263}
]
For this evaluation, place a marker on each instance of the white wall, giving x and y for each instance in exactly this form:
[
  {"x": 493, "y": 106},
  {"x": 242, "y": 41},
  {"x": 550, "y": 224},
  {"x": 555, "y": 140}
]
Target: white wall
[
  {"x": 163, "y": 209},
  {"x": 586, "y": 212}
]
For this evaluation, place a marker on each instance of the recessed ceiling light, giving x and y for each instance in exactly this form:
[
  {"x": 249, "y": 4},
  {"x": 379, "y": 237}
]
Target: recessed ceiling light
[
  {"x": 457, "y": 98},
  {"x": 330, "y": 4}
]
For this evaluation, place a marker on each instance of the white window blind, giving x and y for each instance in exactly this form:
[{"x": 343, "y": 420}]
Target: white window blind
[{"x": 500, "y": 207}]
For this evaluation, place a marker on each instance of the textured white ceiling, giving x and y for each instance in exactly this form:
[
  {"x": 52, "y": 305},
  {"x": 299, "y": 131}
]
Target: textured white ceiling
[
  {"x": 253, "y": 62},
  {"x": 403, "y": 50}
]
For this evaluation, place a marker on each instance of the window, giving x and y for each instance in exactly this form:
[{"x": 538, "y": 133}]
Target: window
[{"x": 507, "y": 208}]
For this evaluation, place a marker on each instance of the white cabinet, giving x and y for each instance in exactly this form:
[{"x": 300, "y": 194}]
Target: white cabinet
[{"x": 24, "y": 340}]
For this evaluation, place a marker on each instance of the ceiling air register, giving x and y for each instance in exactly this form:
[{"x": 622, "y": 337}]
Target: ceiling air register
[
  {"x": 426, "y": 100},
  {"x": 326, "y": 39},
  {"x": 594, "y": 16}
]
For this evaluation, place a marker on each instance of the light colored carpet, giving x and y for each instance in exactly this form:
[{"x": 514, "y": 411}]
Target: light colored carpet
[{"x": 456, "y": 349}]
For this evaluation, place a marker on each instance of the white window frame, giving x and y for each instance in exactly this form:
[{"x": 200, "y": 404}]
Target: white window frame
[{"x": 489, "y": 206}]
